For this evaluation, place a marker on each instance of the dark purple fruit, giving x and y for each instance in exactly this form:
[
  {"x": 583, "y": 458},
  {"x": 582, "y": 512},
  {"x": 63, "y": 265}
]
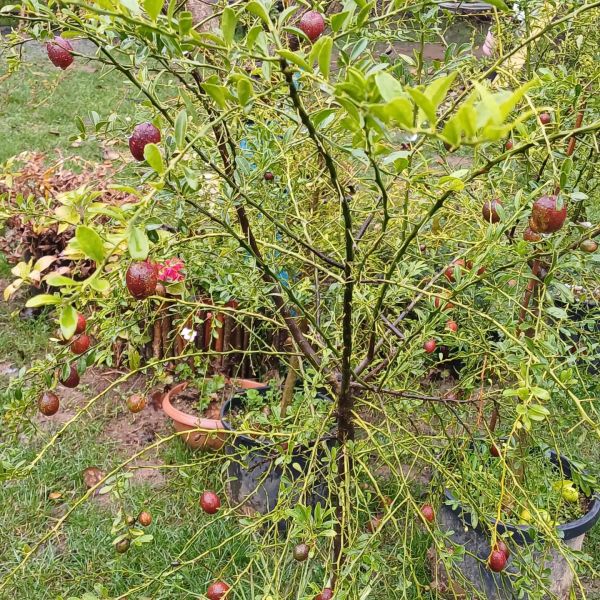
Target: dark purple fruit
[
  {"x": 72, "y": 381},
  {"x": 80, "y": 344},
  {"x": 122, "y": 546},
  {"x": 81, "y": 324},
  {"x": 48, "y": 404},
  {"x": 546, "y": 217},
  {"x": 59, "y": 52},
  {"x": 326, "y": 594},
  {"x": 268, "y": 176},
  {"x": 529, "y": 235},
  {"x": 545, "y": 118},
  {"x": 141, "y": 279},
  {"x": 489, "y": 210},
  {"x": 497, "y": 561},
  {"x": 143, "y": 134},
  {"x": 301, "y": 552},
  {"x": 312, "y": 24}
]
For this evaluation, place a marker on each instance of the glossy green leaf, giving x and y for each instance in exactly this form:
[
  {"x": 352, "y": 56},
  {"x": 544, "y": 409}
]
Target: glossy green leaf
[
  {"x": 90, "y": 243},
  {"x": 68, "y": 321},
  {"x": 138, "y": 244},
  {"x": 152, "y": 8},
  {"x": 389, "y": 87},
  {"x": 258, "y": 9},
  {"x": 296, "y": 59},
  {"x": 154, "y": 158},
  {"x": 228, "y": 23},
  {"x": 181, "y": 123},
  {"x": 244, "y": 90},
  {"x": 42, "y": 300}
]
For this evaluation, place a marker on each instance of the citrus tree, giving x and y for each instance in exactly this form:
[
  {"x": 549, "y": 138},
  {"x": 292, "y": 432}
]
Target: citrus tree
[{"x": 422, "y": 231}]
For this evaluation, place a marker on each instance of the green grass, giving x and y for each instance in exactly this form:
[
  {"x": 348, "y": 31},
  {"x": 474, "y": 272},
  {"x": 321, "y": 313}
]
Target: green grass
[{"x": 38, "y": 105}]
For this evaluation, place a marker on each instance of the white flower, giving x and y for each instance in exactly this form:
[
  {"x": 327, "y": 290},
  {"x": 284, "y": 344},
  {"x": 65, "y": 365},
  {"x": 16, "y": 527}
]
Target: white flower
[{"x": 188, "y": 334}]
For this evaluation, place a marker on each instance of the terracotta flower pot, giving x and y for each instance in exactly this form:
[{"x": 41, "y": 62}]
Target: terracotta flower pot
[{"x": 213, "y": 435}]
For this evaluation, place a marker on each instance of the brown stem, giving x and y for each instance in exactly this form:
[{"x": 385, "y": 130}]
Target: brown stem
[{"x": 290, "y": 384}]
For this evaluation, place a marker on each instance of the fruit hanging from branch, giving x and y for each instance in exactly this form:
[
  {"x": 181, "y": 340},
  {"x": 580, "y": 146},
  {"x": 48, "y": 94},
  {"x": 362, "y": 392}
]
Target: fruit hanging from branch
[
  {"x": 497, "y": 561},
  {"x": 81, "y": 324},
  {"x": 141, "y": 279},
  {"x": 489, "y": 210},
  {"x": 48, "y": 403},
  {"x": 301, "y": 552},
  {"x": 80, "y": 344},
  {"x": 60, "y": 52},
  {"x": 144, "y": 518},
  {"x": 546, "y": 215},
  {"x": 123, "y": 545},
  {"x": 312, "y": 24},
  {"x": 143, "y": 134},
  {"x": 72, "y": 380}
]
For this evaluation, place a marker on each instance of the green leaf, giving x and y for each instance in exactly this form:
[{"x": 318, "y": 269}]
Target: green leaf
[
  {"x": 423, "y": 102},
  {"x": 152, "y": 7},
  {"x": 58, "y": 280},
  {"x": 138, "y": 244},
  {"x": 389, "y": 87},
  {"x": 90, "y": 243},
  {"x": 339, "y": 20},
  {"x": 181, "y": 123},
  {"x": 154, "y": 158},
  {"x": 256, "y": 8},
  {"x": 321, "y": 52},
  {"x": 499, "y": 4},
  {"x": 99, "y": 285},
  {"x": 296, "y": 59},
  {"x": 437, "y": 90},
  {"x": 185, "y": 22},
  {"x": 42, "y": 300},
  {"x": 68, "y": 321},
  {"x": 537, "y": 412},
  {"x": 244, "y": 90},
  {"x": 219, "y": 93},
  {"x": 228, "y": 23}
]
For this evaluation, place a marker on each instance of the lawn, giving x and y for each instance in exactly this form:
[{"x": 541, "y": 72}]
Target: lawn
[{"x": 38, "y": 105}]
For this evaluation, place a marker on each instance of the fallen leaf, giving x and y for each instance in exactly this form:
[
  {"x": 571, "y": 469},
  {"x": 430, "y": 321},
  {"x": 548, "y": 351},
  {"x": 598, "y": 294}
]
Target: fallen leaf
[{"x": 92, "y": 476}]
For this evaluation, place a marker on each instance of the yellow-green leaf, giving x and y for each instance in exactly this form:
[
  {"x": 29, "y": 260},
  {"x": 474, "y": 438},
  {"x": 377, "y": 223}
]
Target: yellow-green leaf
[
  {"x": 68, "y": 321},
  {"x": 154, "y": 158},
  {"x": 90, "y": 243},
  {"x": 42, "y": 300}
]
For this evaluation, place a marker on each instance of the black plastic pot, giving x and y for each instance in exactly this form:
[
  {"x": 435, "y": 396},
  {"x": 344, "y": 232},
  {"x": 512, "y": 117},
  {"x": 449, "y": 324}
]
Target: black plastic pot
[
  {"x": 255, "y": 473},
  {"x": 457, "y": 521}
]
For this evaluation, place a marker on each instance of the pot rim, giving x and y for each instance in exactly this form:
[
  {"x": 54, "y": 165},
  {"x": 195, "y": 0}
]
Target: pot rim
[
  {"x": 194, "y": 421},
  {"x": 570, "y": 530}
]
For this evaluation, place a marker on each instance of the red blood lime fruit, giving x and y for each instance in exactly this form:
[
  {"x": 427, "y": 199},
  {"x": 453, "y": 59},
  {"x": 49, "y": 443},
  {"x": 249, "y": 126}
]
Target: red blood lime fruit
[
  {"x": 326, "y": 594},
  {"x": 508, "y": 145},
  {"x": 141, "y": 279},
  {"x": 48, "y": 404},
  {"x": 217, "y": 590},
  {"x": 268, "y": 176},
  {"x": 588, "y": 246},
  {"x": 546, "y": 216},
  {"x": 59, "y": 52},
  {"x": 144, "y": 518},
  {"x": 209, "y": 502},
  {"x": 489, "y": 210},
  {"x": 81, "y": 324},
  {"x": 502, "y": 547},
  {"x": 429, "y": 346},
  {"x": 301, "y": 552},
  {"x": 136, "y": 403},
  {"x": 497, "y": 561},
  {"x": 143, "y": 134},
  {"x": 428, "y": 512},
  {"x": 80, "y": 344},
  {"x": 312, "y": 24},
  {"x": 545, "y": 118},
  {"x": 72, "y": 381},
  {"x": 452, "y": 325}
]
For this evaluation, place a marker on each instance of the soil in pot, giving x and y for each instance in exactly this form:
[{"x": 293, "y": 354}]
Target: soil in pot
[
  {"x": 271, "y": 449},
  {"x": 551, "y": 497}
]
